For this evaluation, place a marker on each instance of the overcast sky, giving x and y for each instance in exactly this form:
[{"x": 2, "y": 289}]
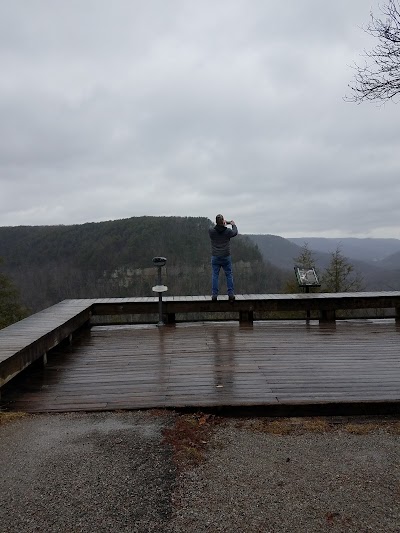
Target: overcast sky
[{"x": 113, "y": 109}]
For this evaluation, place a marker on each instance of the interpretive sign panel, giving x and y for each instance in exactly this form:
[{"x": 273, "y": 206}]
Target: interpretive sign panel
[{"x": 306, "y": 277}]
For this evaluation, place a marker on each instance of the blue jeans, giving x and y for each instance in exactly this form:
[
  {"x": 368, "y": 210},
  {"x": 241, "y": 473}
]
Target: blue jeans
[{"x": 226, "y": 264}]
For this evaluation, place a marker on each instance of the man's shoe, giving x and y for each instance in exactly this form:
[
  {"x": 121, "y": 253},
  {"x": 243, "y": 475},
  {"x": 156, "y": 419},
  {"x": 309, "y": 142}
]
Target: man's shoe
[
  {"x": 231, "y": 297},
  {"x": 214, "y": 297}
]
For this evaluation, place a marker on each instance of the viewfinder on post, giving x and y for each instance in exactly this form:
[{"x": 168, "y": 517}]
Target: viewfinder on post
[{"x": 159, "y": 261}]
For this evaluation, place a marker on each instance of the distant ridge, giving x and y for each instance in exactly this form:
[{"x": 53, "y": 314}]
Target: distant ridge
[
  {"x": 362, "y": 249},
  {"x": 279, "y": 251},
  {"x": 392, "y": 261}
]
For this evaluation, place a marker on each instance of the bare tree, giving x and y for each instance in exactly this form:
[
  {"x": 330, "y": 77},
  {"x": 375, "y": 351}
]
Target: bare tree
[{"x": 379, "y": 77}]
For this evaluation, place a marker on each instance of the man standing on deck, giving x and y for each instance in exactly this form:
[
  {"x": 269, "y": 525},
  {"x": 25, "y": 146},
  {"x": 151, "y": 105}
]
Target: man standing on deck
[{"x": 220, "y": 237}]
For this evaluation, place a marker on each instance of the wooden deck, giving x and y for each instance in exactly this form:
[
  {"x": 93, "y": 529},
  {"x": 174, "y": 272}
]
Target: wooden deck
[
  {"x": 26, "y": 341},
  {"x": 268, "y": 364}
]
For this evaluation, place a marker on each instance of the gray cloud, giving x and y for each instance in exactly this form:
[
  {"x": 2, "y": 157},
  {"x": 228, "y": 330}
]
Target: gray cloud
[{"x": 110, "y": 110}]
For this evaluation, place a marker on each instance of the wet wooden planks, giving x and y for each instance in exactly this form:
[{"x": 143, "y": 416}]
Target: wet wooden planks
[
  {"x": 216, "y": 364},
  {"x": 27, "y": 340}
]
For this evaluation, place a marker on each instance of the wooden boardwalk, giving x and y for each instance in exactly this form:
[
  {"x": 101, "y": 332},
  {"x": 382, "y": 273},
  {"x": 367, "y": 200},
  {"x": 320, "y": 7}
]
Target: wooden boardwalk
[
  {"x": 25, "y": 341},
  {"x": 199, "y": 365}
]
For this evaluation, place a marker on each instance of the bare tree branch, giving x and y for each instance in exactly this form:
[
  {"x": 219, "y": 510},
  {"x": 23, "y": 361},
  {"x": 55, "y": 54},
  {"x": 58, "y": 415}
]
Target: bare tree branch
[{"x": 379, "y": 77}]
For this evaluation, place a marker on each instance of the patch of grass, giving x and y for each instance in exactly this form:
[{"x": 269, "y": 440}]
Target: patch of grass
[
  {"x": 6, "y": 417},
  {"x": 275, "y": 427},
  {"x": 365, "y": 427},
  {"x": 299, "y": 426},
  {"x": 189, "y": 438},
  {"x": 394, "y": 428},
  {"x": 317, "y": 425},
  {"x": 288, "y": 426},
  {"x": 361, "y": 429}
]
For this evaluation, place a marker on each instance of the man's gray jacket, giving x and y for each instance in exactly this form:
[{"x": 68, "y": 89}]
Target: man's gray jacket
[{"x": 220, "y": 240}]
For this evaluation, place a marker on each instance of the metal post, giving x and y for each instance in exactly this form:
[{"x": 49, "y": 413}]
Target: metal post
[
  {"x": 306, "y": 278},
  {"x": 159, "y": 262},
  {"x": 308, "y": 311},
  {"x": 160, "y": 317}
]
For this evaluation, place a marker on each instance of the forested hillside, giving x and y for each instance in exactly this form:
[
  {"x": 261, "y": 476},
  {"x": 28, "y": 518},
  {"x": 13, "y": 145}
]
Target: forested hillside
[
  {"x": 279, "y": 251},
  {"x": 114, "y": 259},
  {"x": 381, "y": 275}
]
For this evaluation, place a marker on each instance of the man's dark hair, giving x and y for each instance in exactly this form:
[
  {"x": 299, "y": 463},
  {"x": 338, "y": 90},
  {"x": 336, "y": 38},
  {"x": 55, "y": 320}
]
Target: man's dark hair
[{"x": 219, "y": 219}]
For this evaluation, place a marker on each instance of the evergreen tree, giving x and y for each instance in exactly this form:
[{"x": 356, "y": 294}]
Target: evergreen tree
[
  {"x": 305, "y": 260},
  {"x": 340, "y": 275}
]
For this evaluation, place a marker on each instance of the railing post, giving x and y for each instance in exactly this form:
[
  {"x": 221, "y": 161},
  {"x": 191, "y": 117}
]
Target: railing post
[
  {"x": 397, "y": 314},
  {"x": 171, "y": 318},
  {"x": 246, "y": 317},
  {"x": 327, "y": 315}
]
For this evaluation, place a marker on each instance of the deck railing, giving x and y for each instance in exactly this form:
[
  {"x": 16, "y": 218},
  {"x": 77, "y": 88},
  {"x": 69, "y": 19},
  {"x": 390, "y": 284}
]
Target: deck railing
[{"x": 248, "y": 307}]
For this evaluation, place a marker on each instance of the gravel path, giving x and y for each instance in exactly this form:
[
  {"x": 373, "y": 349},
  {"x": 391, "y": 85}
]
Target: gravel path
[
  {"x": 114, "y": 472},
  {"x": 259, "y": 482},
  {"x": 91, "y": 472}
]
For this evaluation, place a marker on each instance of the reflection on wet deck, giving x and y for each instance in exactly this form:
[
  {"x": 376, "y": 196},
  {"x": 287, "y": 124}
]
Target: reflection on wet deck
[{"x": 216, "y": 364}]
